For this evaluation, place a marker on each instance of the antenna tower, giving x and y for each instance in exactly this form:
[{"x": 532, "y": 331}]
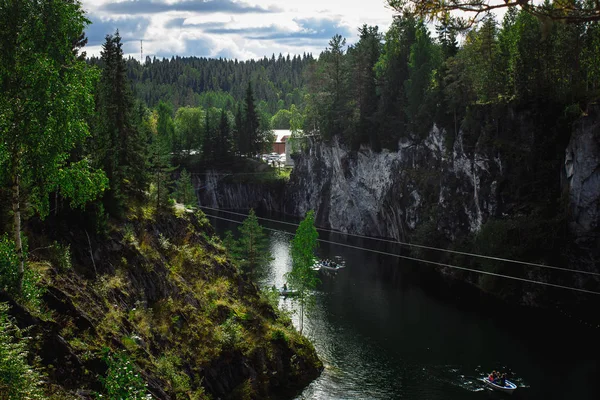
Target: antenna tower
[{"x": 141, "y": 52}]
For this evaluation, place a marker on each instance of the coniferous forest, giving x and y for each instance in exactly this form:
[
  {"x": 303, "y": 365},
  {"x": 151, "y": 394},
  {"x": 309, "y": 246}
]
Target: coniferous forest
[{"x": 112, "y": 283}]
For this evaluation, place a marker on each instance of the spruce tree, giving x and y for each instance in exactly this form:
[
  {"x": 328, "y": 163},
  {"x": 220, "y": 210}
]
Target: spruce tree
[
  {"x": 252, "y": 249},
  {"x": 160, "y": 162},
  {"x": 119, "y": 148},
  {"x": 251, "y": 125},
  {"x": 239, "y": 132},
  {"x": 184, "y": 192},
  {"x": 224, "y": 139},
  {"x": 366, "y": 54}
]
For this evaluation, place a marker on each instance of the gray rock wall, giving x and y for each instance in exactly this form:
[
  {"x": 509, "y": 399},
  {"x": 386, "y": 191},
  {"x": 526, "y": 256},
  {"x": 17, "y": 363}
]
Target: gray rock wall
[
  {"x": 215, "y": 191},
  {"x": 582, "y": 169},
  {"x": 389, "y": 194}
]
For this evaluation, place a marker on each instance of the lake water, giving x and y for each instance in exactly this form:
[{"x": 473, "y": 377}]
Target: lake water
[{"x": 385, "y": 329}]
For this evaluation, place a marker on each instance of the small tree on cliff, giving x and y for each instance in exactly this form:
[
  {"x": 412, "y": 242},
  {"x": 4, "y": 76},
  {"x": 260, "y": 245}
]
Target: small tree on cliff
[
  {"x": 252, "y": 249},
  {"x": 303, "y": 278},
  {"x": 184, "y": 192}
]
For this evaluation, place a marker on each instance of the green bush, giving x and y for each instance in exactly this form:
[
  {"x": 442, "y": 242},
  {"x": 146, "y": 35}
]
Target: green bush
[
  {"x": 278, "y": 334},
  {"x": 122, "y": 381},
  {"x": 232, "y": 333},
  {"x": 18, "y": 380},
  {"x": 60, "y": 256},
  {"x": 9, "y": 264},
  {"x": 170, "y": 367}
]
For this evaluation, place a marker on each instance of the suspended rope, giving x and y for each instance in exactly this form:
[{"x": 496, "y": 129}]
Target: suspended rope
[
  {"x": 577, "y": 271},
  {"x": 428, "y": 262}
]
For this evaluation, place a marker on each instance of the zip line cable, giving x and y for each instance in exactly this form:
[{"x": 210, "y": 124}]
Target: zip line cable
[
  {"x": 429, "y": 262},
  {"x": 422, "y": 246}
]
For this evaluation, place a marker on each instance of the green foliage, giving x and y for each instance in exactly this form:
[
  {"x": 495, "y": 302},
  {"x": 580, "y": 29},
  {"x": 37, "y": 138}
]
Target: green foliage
[
  {"x": 46, "y": 95},
  {"x": 303, "y": 278},
  {"x": 118, "y": 146},
  {"x": 364, "y": 56},
  {"x": 189, "y": 128},
  {"x": 18, "y": 379},
  {"x": 232, "y": 333},
  {"x": 423, "y": 61},
  {"x": 32, "y": 291},
  {"x": 184, "y": 190},
  {"x": 81, "y": 184},
  {"x": 170, "y": 367},
  {"x": 251, "y": 251},
  {"x": 45, "y": 99},
  {"x": 60, "y": 256},
  {"x": 281, "y": 120},
  {"x": 279, "y": 334},
  {"x": 161, "y": 182},
  {"x": 122, "y": 380}
]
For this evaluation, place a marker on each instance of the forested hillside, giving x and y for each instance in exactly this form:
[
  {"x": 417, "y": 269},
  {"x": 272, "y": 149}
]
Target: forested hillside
[
  {"x": 278, "y": 83},
  {"x": 109, "y": 288}
]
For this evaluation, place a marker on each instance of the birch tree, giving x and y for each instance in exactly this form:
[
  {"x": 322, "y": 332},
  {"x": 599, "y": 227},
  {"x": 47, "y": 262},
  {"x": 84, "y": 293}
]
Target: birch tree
[{"x": 45, "y": 96}]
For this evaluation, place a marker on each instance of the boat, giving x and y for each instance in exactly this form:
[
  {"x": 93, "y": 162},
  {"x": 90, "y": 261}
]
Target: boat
[
  {"x": 334, "y": 267},
  {"x": 327, "y": 266},
  {"x": 287, "y": 292},
  {"x": 508, "y": 387}
]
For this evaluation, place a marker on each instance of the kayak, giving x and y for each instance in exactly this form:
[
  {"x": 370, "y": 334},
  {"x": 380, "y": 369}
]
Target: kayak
[{"x": 508, "y": 387}]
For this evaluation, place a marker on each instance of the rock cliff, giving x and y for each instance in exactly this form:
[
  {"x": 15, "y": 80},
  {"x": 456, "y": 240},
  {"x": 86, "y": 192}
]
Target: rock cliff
[
  {"x": 389, "y": 194},
  {"x": 582, "y": 171},
  {"x": 162, "y": 290}
]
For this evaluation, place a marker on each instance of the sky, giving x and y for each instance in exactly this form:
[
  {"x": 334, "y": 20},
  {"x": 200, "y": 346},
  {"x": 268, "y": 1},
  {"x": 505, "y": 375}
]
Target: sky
[{"x": 233, "y": 29}]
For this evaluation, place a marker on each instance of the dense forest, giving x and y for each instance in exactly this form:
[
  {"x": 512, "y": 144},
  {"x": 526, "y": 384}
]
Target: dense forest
[
  {"x": 126, "y": 313},
  {"x": 87, "y": 158}
]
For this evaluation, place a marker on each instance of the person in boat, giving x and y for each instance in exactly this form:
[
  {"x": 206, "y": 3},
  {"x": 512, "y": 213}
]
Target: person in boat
[
  {"x": 502, "y": 380},
  {"x": 493, "y": 376},
  {"x": 285, "y": 287}
]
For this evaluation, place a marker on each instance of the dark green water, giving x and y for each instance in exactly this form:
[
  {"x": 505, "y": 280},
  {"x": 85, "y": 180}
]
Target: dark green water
[{"x": 385, "y": 331}]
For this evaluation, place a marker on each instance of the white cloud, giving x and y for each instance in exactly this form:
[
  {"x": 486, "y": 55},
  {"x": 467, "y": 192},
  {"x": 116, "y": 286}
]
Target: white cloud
[{"x": 231, "y": 28}]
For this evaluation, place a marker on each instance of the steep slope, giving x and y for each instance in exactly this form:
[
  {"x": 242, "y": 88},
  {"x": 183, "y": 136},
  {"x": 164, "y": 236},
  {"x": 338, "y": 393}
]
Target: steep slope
[{"x": 163, "y": 291}]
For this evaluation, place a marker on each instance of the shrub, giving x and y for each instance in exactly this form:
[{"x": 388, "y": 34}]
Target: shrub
[
  {"x": 9, "y": 264},
  {"x": 18, "y": 380},
  {"x": 60, "y": 256},
  {"x": 122, "y": 381},
  {"x": 278, "y": 334},
  {"x": 170, "y": 367}
]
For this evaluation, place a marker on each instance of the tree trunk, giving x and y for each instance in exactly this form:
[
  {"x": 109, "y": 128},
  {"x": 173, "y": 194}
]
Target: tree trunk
[
  {"x": 16, "y": 207},
  {"x": 301, "y": 315}
]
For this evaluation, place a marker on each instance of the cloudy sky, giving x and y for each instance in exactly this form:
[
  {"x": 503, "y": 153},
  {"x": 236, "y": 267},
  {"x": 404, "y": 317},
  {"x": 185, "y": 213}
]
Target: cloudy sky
[{"x": 241, "y": 29}]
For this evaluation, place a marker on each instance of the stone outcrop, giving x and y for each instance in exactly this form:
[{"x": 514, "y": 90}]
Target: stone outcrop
[
  {"x": 582, "y": 170},
  {"x": 389, "y": 194}
]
